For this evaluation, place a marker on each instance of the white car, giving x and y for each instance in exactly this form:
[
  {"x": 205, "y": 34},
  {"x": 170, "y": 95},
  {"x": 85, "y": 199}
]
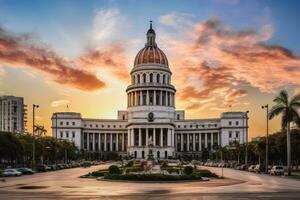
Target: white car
[
  {"x": 11, "y": 172},
  {"x": 277, "y": 170}
]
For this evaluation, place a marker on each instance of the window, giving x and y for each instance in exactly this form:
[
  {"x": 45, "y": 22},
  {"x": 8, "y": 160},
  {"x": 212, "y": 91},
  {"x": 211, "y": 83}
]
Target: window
[
  {"x": 73, "y": 123},
  {"x": 91, "y": 125},
  {"x": 157, "y": 78},
  {"x": 138, "y": 78},
  {"x": 144, "y": 78},
  {"x": 96, "y": 125},
  {"x": 178, "y": 116},
  {"x": 237, "y": 134},
  {"x": 61, "y": 123},
  {"x": 123, "y": 117},
  {"x": 191, "y": 126},
  {"x": 73, "y": 134},
  {"x": 151, "y": 78},
  {"x": 67, "y": 123},
  {"x": 229, "y": 123},
  {"x": 133, "y": 81},
  {"x": 230, "y": 134},
  {"x": 67, "y": 134},
  {"x": 164, "y": 78},
  {"x": 237, "y": 123},
  {"x": 61, "y": 134}
]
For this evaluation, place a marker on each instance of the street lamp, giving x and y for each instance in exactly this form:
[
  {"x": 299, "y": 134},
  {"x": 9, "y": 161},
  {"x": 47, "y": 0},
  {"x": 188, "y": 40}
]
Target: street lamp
[
  {"x": 267, "y": 139},
  {"x": 34, "y": 106},
  {"x": 246, "y": 149}
]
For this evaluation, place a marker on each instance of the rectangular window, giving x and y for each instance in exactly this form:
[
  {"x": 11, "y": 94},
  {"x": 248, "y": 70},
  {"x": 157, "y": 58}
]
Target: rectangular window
[
  {"x": 237, "y": 134},
  {"x": 73, "y": 134},
  {"x": 61, "y": 134},
  {"x": 237, "y": 123},
  {"x": 61, "y": 123},
  {"x": 230, "y": 134},
  {"x": 229, "y": 123},
  {"x": 67, "y": 123},
  {"x": 73, "y": 123}
]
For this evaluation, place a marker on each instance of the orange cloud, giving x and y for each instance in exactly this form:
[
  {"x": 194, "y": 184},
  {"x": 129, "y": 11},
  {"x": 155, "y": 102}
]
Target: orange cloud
[
  {"x": 212, "y": 62},
  {"x": 22, "y": 51}
]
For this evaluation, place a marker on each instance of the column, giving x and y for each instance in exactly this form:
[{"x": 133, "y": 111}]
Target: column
[
  {"x": 172, "y": 138},
  {"x": 94, "y": 141},
  {"x": 105, "y": 141},
  {"x": 181, "y": 138},
  {"x": 111, "y": 142},
  {"x": 154, "y": 137},
  {"x": 154, "y": 97},
  {"x": 161, "y": 137},
  {"x": 169, "y": 139},
  {"x": 141, "y": 97},
  {"x": 200, "y": 142},
  {"x": 123, "y": 141},
  {"x": 167, "y": 101},
  {"x": 99, "y": 141},
  {"x": 218, "y": 138},
  {"x": 132, "y": 136},
  {"x": 88, "y": 141},
  {"x": 205, "y": 140},
  {"x": 128, "y": 136},
  {"x": 160, "y": 98},
  {"x": 211, "y": 140},
  {"x": 147, "y": 135},
  {"x": 188, "y": 142},
  {"x": 194, "y": 142},
  {"x": 147, "y": 98},
  {"x": 117, "y": 142},
  {"x": 140, "y": 137}
]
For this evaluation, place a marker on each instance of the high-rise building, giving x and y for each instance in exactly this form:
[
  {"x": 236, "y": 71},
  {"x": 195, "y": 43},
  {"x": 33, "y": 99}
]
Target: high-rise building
[{"x": 13, "y": 116}]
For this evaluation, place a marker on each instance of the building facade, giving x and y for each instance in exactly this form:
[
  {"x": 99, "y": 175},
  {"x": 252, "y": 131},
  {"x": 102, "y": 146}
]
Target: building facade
[
  {"x": 13, "y": 116},
  {"x": 151, "y": 118}
]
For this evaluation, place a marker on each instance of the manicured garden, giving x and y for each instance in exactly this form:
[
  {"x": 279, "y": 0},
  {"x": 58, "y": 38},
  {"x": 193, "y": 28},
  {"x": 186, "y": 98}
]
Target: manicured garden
[{"x": 135, "y": 171}]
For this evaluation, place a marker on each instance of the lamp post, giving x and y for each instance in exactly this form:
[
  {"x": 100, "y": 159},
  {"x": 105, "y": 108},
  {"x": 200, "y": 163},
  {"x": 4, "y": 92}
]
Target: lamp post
[
  {"x": 34, "y": 106},
  {"x": 267, "y": 138},
  {"x": 246, "y": 147}
]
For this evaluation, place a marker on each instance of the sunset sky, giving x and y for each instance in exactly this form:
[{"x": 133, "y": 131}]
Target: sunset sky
[{"x": 225, "y": 55}]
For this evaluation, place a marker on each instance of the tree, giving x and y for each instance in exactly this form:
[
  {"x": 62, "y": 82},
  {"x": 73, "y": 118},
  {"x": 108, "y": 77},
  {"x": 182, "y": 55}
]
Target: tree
[{"x": 287, "y": 108}]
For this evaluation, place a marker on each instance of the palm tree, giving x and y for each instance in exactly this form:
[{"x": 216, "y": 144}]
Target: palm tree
[{"x": 287, "y": 108}]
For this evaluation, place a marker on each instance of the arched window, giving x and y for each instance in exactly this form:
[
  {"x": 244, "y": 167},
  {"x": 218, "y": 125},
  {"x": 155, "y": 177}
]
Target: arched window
[
  {"x": 144, "y": 78},
  {"x": 164, "y": 79},
  {"x": 138, "y": 78},
  {"x": 158, "y": 78},
  {"x": 151, "y": 78}
]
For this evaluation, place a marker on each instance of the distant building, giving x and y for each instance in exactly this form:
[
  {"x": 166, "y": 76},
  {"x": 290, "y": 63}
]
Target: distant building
[
  {"x": 13, "y": 116},
  {"x": 151, "y": 118}
]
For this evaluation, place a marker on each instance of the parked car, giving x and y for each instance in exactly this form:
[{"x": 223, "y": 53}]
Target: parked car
[
  {"x": 25, "y": 170},
  {"x": 251, "y": 168},
  {"x": 277, "y": 170},
  {"x": 11, "y": 172},
  {"x": 43, "y": 168},
  {"x": 52, "y": 167},
  {"x": 259, "y": 168}
]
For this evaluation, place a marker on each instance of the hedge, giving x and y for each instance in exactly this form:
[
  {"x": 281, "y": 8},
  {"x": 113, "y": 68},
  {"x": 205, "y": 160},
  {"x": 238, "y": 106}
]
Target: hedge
[
  {"x": 204, "y": 173},
  {"x": 134, "y": 169},
  {"x": 114, "y": 169},
  {"x": 151, "y": 177},
  {"x": 99, "y": 173}
]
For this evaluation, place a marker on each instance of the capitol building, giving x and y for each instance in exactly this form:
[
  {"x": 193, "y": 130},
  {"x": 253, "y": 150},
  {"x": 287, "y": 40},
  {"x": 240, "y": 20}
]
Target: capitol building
[{"x": 151, "y": 118}]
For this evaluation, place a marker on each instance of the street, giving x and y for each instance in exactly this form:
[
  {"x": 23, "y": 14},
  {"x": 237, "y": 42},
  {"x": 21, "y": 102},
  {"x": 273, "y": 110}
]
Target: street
[{"x": 66, "y": 184}]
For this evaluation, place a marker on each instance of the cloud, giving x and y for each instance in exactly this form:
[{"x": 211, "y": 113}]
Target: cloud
[
  {"x": 176, "y": 20},
  {"x": 212, "y": 63},
  {"x": 106, "y": 25},
  {"x": 58, "y": 103}
]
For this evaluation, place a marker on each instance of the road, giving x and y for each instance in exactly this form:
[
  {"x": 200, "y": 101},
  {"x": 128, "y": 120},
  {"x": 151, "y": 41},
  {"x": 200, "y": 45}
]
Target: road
[{"x": 66, "y": 184}]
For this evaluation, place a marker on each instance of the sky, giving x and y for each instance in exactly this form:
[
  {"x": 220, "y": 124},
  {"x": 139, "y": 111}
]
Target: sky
[{"x": 225, "y": 55}]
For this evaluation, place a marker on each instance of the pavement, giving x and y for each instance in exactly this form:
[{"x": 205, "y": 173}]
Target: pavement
[{"x": 66, "y": 184}]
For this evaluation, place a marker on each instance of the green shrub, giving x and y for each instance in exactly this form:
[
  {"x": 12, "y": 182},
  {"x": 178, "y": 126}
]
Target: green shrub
[
  {"x": 114, "y": 169},
  {"x": 188, "y": 170},
  {"x": 134, "y": 169},
  {"x": 171, "y": 170},
  {"x": 99, "y": 173},
  {"x": 129, "y": 164},
  {"x": 86, "y": 164},
  {"x": 205, "y": 173},
  {"x": 164, "y": 165}
]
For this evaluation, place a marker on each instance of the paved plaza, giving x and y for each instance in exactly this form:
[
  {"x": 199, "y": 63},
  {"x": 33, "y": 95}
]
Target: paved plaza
[{"x": 66, "y": 184}]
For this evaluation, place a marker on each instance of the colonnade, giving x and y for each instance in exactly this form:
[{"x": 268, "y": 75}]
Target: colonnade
[
  {"x": 151, "y": 97},
  {"x": 104, "y": 141}
]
